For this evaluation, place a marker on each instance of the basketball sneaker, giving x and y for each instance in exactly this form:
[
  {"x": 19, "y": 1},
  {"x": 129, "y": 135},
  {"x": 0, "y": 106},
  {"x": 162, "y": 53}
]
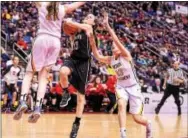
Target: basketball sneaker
[
  {"x": 20, "y": 110},
  {"x": 35, "y": 115},
  {"x": 123, "y": 133},
  {"x": 65, "y": 99},
  {"x": 74, "y": 131}
]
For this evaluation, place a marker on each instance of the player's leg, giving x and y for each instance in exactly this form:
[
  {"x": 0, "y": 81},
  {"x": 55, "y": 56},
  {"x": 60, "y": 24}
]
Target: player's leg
[
  {"x": 167, "y": 93},
  {"x": 122, "y": 116},
  {"x": 136, "y": 109},
  {"x": 80, "y": 105},
  {"x": 65, "y": 71},
  {"x": 79, "y": 112},
  {"x": 176, "y": 96},
  {"x": 4, "y": 106},
  {"x": 49, "y": 51},
  {"x": 5, "y": 97},
  {"x": 64, "y": 76},
  {"x": 14, "y": 96},
  {"x": 140, "y": 119},
  {"x": 25, "y": 90},
  {"x": 40, "y": 93},
  {"x": 122, "y": 98},
  {"x": 79, "y": 108},
  {"x": 26, "y": 85},
  {"x": 13, "y": 106}
]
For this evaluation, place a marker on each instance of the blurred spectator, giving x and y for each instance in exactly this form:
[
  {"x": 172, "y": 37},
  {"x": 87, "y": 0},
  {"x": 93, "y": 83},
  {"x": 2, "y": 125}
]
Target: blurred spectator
[
  {"x": 15, "y": 16},
  {"x": 144, "y": 87},
  {"x": 5, "y": 15},
  {"x": 11, "y": 75},
  {"x": 111, "y": 85},
  {"x": 95, "y": 94},
  {"x": 22, "y": 43}
]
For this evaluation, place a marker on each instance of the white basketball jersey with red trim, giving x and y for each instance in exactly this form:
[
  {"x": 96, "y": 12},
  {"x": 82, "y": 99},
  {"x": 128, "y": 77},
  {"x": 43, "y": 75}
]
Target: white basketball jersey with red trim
[
  {"x": 50, "y": 27},
  {"x": 125, "y": 72}
]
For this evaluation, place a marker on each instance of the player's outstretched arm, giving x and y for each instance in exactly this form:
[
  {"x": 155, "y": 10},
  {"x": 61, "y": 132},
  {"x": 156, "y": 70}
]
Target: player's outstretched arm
[
  {"x": 73, "y": 6},
  {"x": 77, "y": 25},
  {"x": 117, "y": 42},
  {"x": 98, "y": 56}
]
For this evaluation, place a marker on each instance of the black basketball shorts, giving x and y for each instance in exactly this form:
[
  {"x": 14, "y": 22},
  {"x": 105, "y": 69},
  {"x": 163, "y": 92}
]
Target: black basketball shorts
[
  {"x": 79, "y": 73},
  {"x": 10, "y": 88}
]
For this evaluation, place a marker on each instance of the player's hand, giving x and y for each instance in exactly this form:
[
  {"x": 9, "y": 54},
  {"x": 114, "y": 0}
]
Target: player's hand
[
  {"x": 68, "y": 20},
  {"x": 180, "y": 80}
]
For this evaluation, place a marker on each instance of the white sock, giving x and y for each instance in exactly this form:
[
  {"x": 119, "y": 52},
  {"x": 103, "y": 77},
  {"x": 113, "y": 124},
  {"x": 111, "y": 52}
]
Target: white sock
[
  {"x": 123, "y": 132},
  {"x": 42, "y": 87},
  {"x": 26, "y": 85},
  {"x": 39, "y": 102}
]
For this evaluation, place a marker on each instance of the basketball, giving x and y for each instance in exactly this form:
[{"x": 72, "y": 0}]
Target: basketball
[{"x": 68, "y": 29}]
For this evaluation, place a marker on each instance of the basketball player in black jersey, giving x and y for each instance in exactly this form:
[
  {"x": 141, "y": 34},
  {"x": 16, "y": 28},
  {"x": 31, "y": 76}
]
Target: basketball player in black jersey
[{"x": 77, "y": 67}]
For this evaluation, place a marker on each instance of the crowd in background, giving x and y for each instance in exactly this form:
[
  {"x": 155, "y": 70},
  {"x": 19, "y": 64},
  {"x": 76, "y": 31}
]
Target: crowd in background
[{"x": 153, "y": 32}]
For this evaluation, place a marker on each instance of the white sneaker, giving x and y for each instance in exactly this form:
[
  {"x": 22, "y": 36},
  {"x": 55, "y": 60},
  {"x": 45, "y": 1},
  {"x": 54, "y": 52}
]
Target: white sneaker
[{"x": 35, "y": 115}]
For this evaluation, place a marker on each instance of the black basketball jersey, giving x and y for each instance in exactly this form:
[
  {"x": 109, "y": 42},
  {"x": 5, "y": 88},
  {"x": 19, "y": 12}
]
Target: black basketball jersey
[{"x": 81, "y": 48}]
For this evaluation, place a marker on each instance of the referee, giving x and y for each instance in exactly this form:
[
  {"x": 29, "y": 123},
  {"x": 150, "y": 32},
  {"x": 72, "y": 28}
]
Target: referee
[{"x": 172, "y": 82}]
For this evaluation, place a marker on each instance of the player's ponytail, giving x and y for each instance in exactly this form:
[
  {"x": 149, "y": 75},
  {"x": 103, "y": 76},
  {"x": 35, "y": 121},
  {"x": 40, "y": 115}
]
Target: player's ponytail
[{"x": 53, "y": 9}]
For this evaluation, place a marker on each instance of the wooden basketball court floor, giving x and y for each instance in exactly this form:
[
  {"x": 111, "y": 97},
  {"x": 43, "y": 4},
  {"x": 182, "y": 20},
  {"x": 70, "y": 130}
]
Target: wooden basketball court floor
[{"x": 92, "y": 126}]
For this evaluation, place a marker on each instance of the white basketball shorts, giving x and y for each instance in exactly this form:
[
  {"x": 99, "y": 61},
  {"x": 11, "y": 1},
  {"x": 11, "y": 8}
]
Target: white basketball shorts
[{"x": 134, "y": 96}]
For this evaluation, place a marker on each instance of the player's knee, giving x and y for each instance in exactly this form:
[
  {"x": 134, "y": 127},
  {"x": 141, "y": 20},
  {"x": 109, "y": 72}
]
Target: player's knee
[
  {"x": 121, "y": 106},
  {"x": 81, "y": 100},
  {"x": 64, "y": 71}
]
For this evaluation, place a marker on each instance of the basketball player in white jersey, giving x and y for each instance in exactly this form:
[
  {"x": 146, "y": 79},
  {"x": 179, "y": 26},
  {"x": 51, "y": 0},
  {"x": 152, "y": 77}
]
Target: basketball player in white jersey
[
  {"x": 128, "y": 87},
  {"x": 45, "y": 51}
]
